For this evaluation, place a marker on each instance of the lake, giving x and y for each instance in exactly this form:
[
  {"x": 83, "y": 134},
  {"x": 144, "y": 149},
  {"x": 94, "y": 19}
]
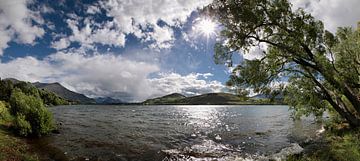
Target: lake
[{"x": 172, "y": 132}]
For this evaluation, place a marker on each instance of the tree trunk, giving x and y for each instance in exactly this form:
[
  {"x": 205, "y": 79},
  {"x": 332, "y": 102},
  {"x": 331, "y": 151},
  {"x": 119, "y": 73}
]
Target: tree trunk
[{"x": 340, "y": 107}]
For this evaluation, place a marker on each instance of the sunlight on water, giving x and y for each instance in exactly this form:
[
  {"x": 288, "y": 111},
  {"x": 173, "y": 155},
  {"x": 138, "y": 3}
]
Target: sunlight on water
[
  {"x": 178, "y": 133},
  {"x": 202, "y": 116}
]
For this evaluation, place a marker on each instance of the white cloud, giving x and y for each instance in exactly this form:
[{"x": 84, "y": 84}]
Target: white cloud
[
  {"x": 16, "y": 23},
  {"x": 93, "y": 10},
  {"x": 135, "y": 15},
  {"x": 107, "y": 75},
  {"x": 93, "y": 33},
  {"x": 191, "y": 84},
  {"x": 132, "y": 17},
  {"x": 255, "y": 52},
  {"x": 63, "y": 43},
  {"x": 163, "y": 37},
  {"x": 130, "y": 14},
  {"x": 334, "y": 13},
  {"x": 46, "y": 9}
]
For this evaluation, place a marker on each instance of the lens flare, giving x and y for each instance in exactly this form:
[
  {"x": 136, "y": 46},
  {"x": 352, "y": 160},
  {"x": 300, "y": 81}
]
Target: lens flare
[{"x": 206, "y": 27}]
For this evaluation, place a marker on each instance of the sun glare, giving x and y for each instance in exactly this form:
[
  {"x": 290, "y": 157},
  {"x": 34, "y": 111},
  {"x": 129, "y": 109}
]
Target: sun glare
[{"x": 206, "y": 27}]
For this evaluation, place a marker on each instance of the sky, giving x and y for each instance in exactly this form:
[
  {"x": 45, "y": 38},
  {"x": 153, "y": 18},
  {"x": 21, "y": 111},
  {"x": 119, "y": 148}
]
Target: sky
[{"x": 127, "y": 49}]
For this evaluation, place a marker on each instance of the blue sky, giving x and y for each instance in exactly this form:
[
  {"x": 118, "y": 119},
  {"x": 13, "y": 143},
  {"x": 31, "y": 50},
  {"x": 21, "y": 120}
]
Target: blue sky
[{"x": 126, "y": 49}]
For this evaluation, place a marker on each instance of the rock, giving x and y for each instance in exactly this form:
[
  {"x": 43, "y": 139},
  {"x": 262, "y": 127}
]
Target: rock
[
  {"x": 217, "y": 138},
  {"x": 320, "y": 131},
  {"x": 292, "y": 150}
]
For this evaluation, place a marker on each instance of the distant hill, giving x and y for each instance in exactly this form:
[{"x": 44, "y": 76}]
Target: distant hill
[
  {"x": 63, "y": 92},
  {"x": 214, "y": 99},
  {"x": 173, "y": 98},
  {"x": 205, "y": 99},
  {"x": 107, "y": 101}
]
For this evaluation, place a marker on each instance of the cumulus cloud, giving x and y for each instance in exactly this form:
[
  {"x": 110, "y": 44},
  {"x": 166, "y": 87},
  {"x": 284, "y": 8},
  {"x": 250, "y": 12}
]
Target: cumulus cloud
[
  {"x": 334, "y": 13},
  {"x": 63, "y": 43},
  {"x": 130, "y": 14},
  {"x": 16, "y": 23},
  {"x": 162, "y": 37},
  {"x": 137, "y": 17},
  {"x": 191, "y": 84},
  {"x": 92, "y": 33},
  {"x": 107, "y": 75}
]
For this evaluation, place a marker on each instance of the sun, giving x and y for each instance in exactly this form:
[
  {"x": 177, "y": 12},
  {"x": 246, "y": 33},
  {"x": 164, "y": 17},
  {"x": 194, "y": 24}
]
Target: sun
[{"x": 206, "y": 27}]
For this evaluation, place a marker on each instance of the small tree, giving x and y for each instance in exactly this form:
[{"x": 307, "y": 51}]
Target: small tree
[
  {"x": 322, "y": 69},
  {"x": 31, "y": 117}
]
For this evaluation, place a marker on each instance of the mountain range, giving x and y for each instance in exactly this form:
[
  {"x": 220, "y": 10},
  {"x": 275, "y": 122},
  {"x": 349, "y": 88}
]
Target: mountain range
[
  {"x": 65, "y": 93},
  {"x": 173, "y": 99},
  {"x": 204, "y": 99}
]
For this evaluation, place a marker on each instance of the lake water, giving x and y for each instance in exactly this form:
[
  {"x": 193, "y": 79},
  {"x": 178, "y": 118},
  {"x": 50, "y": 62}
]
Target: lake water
[{"x": 204, "y": 132}]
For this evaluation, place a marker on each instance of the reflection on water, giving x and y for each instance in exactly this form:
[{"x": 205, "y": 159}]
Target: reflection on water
[{"x": 175, "y": 132}]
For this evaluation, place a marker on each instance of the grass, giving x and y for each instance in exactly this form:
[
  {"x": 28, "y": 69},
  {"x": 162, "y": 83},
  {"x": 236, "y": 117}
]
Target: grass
[
  {"x": 341, "y": 144},
  {"x": 13, "y": 148}
]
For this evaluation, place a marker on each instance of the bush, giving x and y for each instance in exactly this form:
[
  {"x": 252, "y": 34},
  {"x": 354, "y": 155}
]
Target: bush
[
  {"x": 22, "y": 126},
  {"x": 32, "y": 118},
  {"x": 4, "y": 112}
]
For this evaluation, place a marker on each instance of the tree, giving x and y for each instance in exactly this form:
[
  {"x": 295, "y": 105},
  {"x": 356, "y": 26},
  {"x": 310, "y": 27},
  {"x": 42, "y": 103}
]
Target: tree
[
  {"x": 322, "y": 69},
  {"x": 6, "y": 87},
  {"x": 31, "y": 117}
]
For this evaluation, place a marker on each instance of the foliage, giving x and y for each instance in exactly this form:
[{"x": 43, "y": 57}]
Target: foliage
[
  {"x": 340, "y": 146},
  {"x": 26, "y": 108},
  {"x": 48, "y": 98},
  {"x": 22, "y": 126},
  {"x": 322, "y": 70},
  {"x": 4, "y": 112},
  {"x": 6, "y": 87},
  {"x": 31, "y": 117}
]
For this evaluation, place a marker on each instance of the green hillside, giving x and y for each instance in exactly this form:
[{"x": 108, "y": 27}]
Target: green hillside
[{"x": 173, "y": 98}]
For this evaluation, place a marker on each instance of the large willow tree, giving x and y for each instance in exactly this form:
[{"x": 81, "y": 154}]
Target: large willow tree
[{"x": 322, "y": 69}]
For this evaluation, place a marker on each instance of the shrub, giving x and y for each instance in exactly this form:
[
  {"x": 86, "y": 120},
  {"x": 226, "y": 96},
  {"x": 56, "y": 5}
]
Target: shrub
[
  {"x": 21, "y": 126},
  {"x": 4, "y": 112},
  {"x": 30, "y": 110}
]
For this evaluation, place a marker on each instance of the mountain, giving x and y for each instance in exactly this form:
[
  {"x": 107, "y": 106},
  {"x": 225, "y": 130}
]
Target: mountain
[
  {"x": 204, "y": 99},
  {"x": 168, "y": 99},
  {"x": 107, "y": 101},
  {"x": 13, "y": 80},
  {"x": 214, "y": 99},
  {"x": 63, "y": 92}
]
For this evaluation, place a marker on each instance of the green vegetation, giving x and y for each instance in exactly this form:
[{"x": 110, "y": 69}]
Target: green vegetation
[
  {"x": 322, "y": 69},
  {"x": 13, "y": 148},
  {"x": 168, "y": 99},
  {"x": 340, "y": 145},
  {"x": 31, "y": 117},
  {"x": 22, "y": 108}
]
